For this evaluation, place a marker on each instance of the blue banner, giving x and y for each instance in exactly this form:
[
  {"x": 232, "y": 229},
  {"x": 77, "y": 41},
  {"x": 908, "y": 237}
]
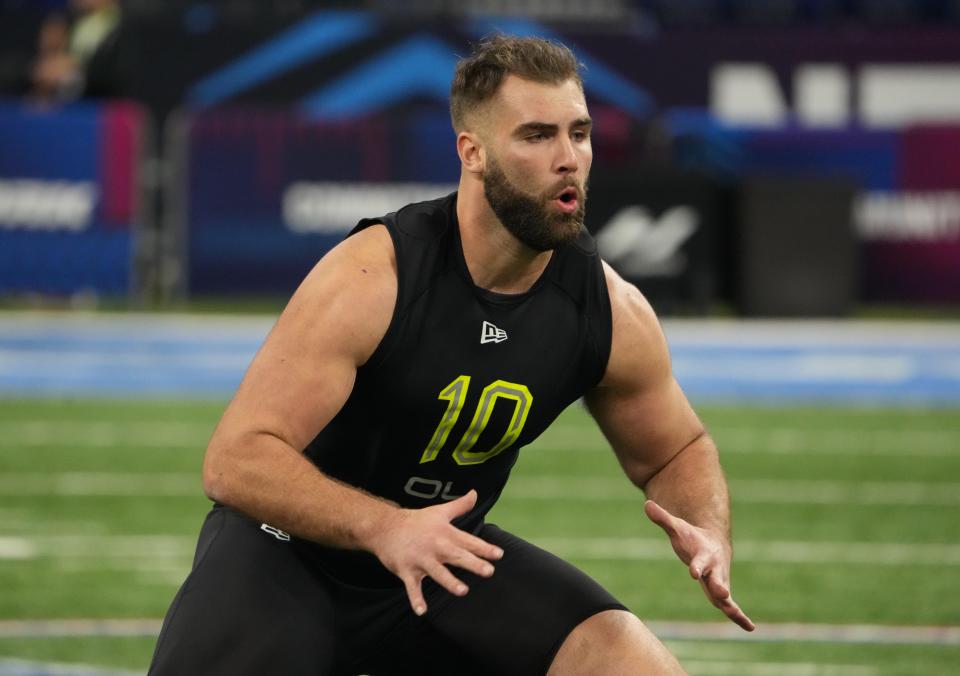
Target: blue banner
[{"x": 67, "y": 198}]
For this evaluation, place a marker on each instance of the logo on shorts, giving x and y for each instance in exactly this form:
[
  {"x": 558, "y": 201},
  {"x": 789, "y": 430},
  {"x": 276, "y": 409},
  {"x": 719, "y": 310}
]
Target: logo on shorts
[
  {"x": 275, "y": 532},
  {"x": 491, "y": 334}
]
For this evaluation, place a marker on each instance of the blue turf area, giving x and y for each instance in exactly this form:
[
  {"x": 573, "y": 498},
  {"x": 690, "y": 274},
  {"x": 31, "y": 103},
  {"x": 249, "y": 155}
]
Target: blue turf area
[{"x": 897, "y": 363}]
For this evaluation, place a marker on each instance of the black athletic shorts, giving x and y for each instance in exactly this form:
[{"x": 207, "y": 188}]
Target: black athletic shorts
[{"x": 256, "y": 603}]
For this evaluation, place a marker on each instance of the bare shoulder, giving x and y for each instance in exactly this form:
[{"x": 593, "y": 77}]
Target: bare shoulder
[
  {"x": 369, "y": 253},
  {"x": 305, "y": 369},
  {"x": 639, "y": 349},
  {"x": 350, "y": 294}
]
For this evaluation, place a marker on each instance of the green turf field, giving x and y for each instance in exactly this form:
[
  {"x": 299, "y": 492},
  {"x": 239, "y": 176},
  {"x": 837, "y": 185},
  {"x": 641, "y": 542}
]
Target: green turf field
[{"x": 841, "y": 517}]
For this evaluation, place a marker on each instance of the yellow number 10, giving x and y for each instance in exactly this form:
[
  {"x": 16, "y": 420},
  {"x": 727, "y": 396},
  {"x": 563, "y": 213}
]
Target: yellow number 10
[{"x": 455, "y": 394}]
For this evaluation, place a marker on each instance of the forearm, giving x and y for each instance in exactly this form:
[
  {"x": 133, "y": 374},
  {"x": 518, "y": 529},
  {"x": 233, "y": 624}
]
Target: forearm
[
  {"x": 693, "y": 487},
  {"x": 265, "y": 478}
]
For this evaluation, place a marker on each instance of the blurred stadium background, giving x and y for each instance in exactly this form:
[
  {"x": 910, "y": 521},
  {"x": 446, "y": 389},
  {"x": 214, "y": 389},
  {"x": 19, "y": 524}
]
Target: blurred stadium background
[{"x": 780, "y": 177}]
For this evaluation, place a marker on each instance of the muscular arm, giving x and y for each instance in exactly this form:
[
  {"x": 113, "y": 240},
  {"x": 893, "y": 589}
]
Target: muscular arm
[
  {"x": 662, "y": 445},
  {"x": 298, "y": 381}
]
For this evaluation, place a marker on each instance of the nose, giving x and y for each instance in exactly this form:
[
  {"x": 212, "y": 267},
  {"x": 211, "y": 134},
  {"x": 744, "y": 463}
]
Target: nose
[{"x": 566, "y": 161}]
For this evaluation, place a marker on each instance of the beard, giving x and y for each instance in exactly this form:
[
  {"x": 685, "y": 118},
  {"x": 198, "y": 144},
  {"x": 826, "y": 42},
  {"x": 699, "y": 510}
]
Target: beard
[{"x": 527, "y": 217}]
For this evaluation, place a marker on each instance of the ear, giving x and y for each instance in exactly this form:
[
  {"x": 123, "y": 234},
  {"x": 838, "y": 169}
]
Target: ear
[{"x": 472, "y": 154}]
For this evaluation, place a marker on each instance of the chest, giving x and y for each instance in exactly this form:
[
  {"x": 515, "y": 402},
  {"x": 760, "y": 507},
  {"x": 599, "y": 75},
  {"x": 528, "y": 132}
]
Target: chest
[{"x": 468, "y": 377}]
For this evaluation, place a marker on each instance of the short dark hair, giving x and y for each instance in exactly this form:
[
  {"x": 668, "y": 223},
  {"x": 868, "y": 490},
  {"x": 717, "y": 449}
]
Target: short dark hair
[{"x": 478, "y": 76}]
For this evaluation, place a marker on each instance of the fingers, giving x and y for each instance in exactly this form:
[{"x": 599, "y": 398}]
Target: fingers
[
  {"x": 699, "y": 565},
  {"x": 479, "y": 547},
  {"x": 440, "y": 574},
  {"x": 660, "y": 516},
  {"x": 702, "y": 564},
  {"x": 733, "y": 611},
  {"x": 415, "y": 593},
  {"x": 739, "y": 617},
  {"x": 438, "y": 545},
  {"x": 471, "y": 562},
  {"x": 716, "y": 586},
  {"x": 718, "y": 591},
  {"x": 460, "y": 506}
]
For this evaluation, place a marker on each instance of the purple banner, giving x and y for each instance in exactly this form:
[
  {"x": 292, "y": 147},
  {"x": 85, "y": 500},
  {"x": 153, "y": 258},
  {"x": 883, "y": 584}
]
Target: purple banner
[{"x": 912, "y": 236}]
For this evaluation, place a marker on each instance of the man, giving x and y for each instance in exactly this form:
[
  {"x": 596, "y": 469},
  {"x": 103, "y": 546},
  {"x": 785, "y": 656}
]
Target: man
[
  {"x": 85, "y": 59},
  {"x": 379, "y": 421}
]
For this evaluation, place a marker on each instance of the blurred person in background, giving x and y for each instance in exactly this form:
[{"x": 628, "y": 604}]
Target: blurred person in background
[
  {"x": 82, "y": 57},
  {"x": 348, "y": 531}
]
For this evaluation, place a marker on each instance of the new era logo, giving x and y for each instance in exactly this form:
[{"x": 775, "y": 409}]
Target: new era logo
[
  {"x": 491, "y": 334},
  {"x": 275, "y": 532}
]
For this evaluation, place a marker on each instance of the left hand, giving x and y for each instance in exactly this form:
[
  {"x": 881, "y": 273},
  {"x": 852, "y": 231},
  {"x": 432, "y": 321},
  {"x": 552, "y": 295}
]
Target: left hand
[{"x": 706, "y": 555}]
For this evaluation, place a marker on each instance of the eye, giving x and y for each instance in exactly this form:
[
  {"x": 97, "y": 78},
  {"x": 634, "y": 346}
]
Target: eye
[
  {"x": 580, "y": 135},
  {"x": 536, "y": 138}
]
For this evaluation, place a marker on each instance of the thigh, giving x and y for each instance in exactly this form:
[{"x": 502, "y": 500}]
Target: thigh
[
  {"x": 513, "y": 622},
  {"x": 250, "y": 605}
]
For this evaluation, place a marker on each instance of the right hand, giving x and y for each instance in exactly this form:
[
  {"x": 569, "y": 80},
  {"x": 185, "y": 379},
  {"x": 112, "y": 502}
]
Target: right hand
[{"x": 418, "y": 543}]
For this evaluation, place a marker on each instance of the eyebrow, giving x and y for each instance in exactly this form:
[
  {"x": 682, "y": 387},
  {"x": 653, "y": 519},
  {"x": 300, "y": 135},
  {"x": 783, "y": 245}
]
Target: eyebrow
[{"x": 547, "y": 128}]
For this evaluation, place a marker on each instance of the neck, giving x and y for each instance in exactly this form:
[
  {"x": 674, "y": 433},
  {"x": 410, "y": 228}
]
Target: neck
[{"x": 497, "y": 261}]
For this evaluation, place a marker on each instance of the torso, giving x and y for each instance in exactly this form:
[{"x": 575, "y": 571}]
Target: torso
[{"x": 464, "y": 378}]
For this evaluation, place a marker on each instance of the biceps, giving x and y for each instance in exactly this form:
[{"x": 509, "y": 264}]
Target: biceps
[
  {"x": 291, "y": 392},
  {"x": 646, "y": 427}
]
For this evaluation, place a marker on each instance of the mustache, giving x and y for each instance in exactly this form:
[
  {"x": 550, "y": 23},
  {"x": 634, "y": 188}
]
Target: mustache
[{"x": 562, "y": 185}]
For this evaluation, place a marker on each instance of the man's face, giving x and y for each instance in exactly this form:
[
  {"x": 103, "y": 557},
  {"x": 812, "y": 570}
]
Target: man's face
[
  {"x": 532, "y": 219},
  {"x": 538, "y": 159}
]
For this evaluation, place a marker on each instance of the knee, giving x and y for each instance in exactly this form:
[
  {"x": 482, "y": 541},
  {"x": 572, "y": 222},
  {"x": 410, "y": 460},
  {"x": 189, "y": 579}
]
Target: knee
[
  {"x": 613, "y": 642},
  {"x": 609, "y": 629}
]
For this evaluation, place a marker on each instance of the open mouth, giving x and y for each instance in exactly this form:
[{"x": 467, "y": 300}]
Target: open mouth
[{"x": 567, "y": 200}]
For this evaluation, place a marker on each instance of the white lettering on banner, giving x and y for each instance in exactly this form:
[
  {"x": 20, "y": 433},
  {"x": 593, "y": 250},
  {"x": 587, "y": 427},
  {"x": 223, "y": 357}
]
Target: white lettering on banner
[
  {"x": 889, "y": 95},
  {"x": 897, "y": 95},
  {"x": 335, "y": 208},
  {"x": 909, "y": 216},
  {"x": 822, "y": 94},
  {"x": 747, "y": 93},
  {"x": 27, "y": 204}
]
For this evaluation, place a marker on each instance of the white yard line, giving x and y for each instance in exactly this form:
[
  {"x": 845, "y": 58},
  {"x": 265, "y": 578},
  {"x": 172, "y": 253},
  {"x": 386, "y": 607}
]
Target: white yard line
[
  {"x": 11, "y": 666},
  {"x": 80, "y": 627},
  {"x": 808, "y": 632},
  {"x": 18, "y": 667},
  {"x": 870, "y": 439},
  {"x": 744, "y": 668},
  {"x": 859, "y": 441},
  {"x": 891, "y": 493},
  {"x": 543, "y": 487},
  {"x": 185, "y": 484},
  {"x": 98, "y": 548},
  {"x": 774, "y": 551},
  {"x": 100, "y": 434},
  {"x": 665, "y": 629},
  {"x": 139, "y": 551},
  {"x": 752, "y": 491}
]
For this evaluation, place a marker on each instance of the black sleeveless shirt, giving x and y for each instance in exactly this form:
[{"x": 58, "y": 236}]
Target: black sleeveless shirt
[{"x": 464, "y": 377}]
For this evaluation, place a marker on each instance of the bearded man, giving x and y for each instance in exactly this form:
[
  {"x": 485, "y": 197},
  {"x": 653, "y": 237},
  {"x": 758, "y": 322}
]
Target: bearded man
[{"x": 379, "y": 422}]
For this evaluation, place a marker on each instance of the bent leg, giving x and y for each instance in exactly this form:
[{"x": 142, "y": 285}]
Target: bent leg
[
  {"x": 249, "y": 606},
  {"x": 613, "y": 643},
  {"x": 513, "y": 623}
]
